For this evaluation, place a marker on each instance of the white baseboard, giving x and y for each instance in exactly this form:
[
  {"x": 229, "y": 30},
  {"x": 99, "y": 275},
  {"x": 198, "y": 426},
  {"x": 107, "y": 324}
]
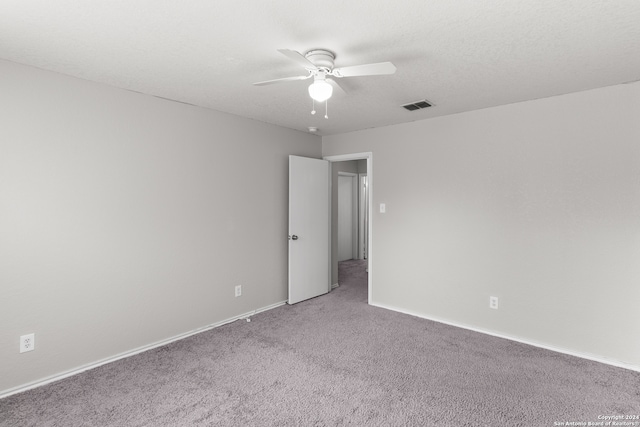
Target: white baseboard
[
  {"x": 592, "y": 357},
  {"x": 89, "y": 366},
  {"x": 335, "y": 285}
]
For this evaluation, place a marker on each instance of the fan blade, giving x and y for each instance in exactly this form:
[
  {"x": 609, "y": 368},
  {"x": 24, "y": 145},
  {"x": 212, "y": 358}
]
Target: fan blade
[
  {"x": 377, "y": 69},
  {"x": 284, "y": 80},
  {"x": 299, "y": 58},
  {"x": 336, "y": 86}
]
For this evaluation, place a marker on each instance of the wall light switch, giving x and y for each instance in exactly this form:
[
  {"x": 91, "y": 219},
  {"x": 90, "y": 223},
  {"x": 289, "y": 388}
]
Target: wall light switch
[{"x": 383, "y": 208}]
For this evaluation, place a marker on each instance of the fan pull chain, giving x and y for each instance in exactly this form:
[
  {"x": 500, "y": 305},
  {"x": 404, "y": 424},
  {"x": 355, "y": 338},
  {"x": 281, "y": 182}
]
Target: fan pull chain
[{"x": 326, "y": 108}]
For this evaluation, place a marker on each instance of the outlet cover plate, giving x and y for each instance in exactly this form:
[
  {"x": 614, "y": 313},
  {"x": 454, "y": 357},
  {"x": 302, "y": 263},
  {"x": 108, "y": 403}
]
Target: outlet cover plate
[
  {"x": 493, "y": 303},
  {"x": 27, "y": 343}
]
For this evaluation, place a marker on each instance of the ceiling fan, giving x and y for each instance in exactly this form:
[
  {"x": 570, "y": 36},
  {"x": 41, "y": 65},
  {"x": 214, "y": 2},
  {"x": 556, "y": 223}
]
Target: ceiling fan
[{"x": 319, "y": 65}]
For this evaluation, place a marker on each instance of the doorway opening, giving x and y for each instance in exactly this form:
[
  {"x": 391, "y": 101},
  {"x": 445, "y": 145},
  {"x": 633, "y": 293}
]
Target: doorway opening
[{"x": 351, "y": 222}]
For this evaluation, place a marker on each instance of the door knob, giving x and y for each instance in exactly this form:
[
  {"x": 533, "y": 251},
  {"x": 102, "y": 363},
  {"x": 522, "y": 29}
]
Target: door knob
[{"x": 294, "y": 237}]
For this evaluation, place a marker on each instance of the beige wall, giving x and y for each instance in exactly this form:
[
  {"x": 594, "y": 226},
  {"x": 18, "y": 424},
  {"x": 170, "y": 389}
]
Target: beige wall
[
  {"x": 537, "y": 203},
  {"x": 127, "y": 219}
]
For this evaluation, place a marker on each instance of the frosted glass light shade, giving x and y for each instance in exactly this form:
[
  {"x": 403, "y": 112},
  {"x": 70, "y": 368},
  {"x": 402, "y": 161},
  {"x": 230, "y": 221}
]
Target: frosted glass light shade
[{"x": 320, "y": 90}]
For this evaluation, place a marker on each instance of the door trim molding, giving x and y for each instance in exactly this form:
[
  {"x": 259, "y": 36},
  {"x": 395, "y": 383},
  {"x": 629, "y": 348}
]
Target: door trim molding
[{"x": 361, "y": 218}]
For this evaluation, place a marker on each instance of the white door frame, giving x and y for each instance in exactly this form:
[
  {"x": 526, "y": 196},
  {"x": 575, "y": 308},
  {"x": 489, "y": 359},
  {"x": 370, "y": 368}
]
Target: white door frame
[
  {"x": 368, "y": 156},
  {"x": 363, "y": 201}
]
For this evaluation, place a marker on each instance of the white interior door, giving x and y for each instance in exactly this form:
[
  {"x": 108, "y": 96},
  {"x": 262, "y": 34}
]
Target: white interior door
[
  {"x": 347, "y": 218},
  {"x": 308, "y": 228}
]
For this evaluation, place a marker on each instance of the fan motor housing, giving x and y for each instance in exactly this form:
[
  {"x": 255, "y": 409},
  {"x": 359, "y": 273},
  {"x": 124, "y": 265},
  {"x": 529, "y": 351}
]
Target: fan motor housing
[{"x": 321, "y": 58}]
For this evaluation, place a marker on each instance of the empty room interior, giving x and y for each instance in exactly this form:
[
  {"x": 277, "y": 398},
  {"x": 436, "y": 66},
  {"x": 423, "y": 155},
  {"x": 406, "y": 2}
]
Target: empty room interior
[{"x": 490, "y": 157}]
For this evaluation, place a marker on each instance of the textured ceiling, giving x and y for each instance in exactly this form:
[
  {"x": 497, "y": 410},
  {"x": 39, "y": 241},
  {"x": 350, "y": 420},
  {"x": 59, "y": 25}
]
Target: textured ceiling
[{"x": 460, "y": 55}]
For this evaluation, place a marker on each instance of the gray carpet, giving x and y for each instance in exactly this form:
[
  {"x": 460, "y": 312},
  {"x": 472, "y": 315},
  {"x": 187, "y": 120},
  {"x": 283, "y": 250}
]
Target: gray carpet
[{"x": 334, "y": 361}]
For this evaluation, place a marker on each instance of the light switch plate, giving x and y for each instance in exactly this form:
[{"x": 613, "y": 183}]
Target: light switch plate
[{"x": 383, "y": 207}]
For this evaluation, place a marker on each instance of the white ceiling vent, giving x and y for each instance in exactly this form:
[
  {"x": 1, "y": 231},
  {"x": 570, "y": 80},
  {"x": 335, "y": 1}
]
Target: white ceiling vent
[{"x": 418, "y": 105}]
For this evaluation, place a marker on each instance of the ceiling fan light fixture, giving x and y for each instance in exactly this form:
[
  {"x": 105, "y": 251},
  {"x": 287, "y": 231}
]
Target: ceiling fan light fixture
[{"x": 320, "y": 90}]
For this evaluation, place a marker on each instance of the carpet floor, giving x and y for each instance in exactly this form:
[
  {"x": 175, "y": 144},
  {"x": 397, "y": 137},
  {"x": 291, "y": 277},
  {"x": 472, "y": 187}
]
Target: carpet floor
[{"x": 333, "y": 361}]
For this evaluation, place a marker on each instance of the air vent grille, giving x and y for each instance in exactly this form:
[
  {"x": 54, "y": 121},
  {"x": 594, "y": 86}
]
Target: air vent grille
[{"x": 418, "y": 105}]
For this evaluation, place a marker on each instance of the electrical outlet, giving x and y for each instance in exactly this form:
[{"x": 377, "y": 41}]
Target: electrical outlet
[
  {"x": 27, "y": 343},
  {"x": 238, "y": 290},
  {"x": 493, "y": 302}
]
